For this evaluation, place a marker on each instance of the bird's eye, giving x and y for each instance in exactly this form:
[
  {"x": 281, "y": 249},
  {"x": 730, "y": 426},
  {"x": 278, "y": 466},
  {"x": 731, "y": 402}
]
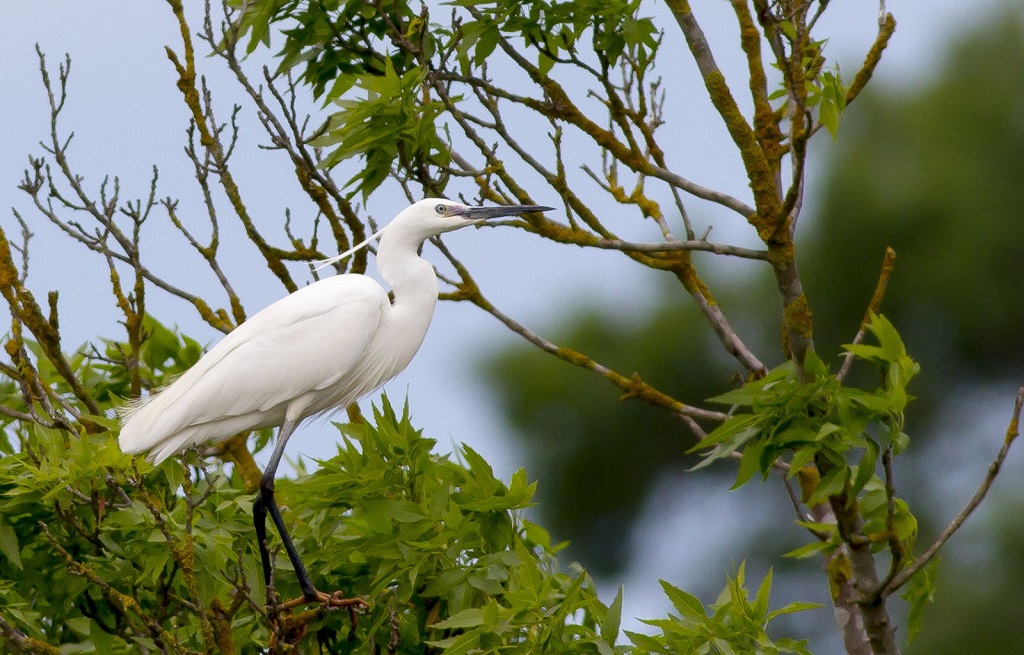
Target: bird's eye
[{"x": 440, "y": 209}]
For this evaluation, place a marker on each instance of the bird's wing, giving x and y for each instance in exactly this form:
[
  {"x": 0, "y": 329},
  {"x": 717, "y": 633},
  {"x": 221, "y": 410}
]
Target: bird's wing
[{"x": 293, "y": 347}]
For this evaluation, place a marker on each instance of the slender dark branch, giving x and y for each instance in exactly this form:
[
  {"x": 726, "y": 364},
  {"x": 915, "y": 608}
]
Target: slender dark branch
[
  {"x": 634, "y": 383},
  {"x": 632, "y": 386},
  {"x": 673, "y": 246},
  {"x": 798, "y": 508},
  {"x": 701, "y": 192},
  {"x": 897, "y": 549},
  {"x": 23, "y": 417},
  {"x": 1012, "y": 431},
  {"x": 607, "y": 140},
  {"x": 210, "y": 139}
]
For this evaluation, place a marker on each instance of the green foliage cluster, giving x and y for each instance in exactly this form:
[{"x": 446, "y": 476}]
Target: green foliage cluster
[
  {"x": 390, "y": 124},
  {"x": 331, "y": 40},
  {"x": 797, "y": 424},
  {"x": 818, "y": 419},
  {"x": 553, "y": 30},
  {"x": 387, "y": 113},
  {"x": 735, "y": 625},
  {"x": 100, "y": 552}
]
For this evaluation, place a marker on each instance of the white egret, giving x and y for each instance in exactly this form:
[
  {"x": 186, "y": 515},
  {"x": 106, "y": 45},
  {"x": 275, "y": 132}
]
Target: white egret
[{"x": 319, "y": 349}]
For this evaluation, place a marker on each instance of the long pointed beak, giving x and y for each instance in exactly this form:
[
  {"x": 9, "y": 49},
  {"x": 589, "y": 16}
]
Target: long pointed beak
[{"x": 483, "y": 213}]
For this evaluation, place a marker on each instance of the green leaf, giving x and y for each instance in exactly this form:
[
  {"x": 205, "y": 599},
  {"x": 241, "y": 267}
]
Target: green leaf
[
  {"x": 612, "y": 619},
  {"x": 814, "y": 365},
  {"x": 9, "y": 543},
  {"x": 827, "y": 429},
  {"x": 750, "y": 463},
  {"x": 831, "y": 484},
  {"x": 876, "y": 402},
  {"x": 536, "y": 534},
  {"x": 900, "y": 443},
  {"x": 485, "y": 45},
  {"x": 404, "y": 511},
  {"x": 888, "y": 338},
  {"x": 792, "y": 608},
  {"x": 828, "y": 114},
  {"x": 735, "y": 425},
  {"x": 866, "y": 468},
  {"x": 646, "y": 642},
  {"x": 544, "y": 64},
  {"x": 801, "y": 457},
  {"x": 464, "y": 643},
  {"x": 760, "y": 605},
  {"x": 445, "y": 582},
  {"x": 468, "y": 618},
  {"x": 810, "y": 549},
  {"x": 743, "y": 397},
  {"x": 864, "y": 351},
  {"x": 826, "y": 528},
  {"x": 688, "y": 605},
  {"x": 919, "y": 593}
]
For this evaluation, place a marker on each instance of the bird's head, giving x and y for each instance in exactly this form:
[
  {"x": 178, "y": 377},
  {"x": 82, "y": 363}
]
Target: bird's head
[{"x": 433, "y": 216}]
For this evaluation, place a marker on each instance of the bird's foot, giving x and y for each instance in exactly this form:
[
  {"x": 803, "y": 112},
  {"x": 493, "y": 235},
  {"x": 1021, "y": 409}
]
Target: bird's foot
[
  {"x": 335, "y": 600},
  {"x": 291, "y": 628}
]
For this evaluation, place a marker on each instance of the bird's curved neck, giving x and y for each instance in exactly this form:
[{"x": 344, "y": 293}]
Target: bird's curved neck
[{"x": 411, "y": 277}]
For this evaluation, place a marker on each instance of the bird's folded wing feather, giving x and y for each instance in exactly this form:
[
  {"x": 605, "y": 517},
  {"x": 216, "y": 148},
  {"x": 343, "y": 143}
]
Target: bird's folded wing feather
[{"x": 292, "y": 347}]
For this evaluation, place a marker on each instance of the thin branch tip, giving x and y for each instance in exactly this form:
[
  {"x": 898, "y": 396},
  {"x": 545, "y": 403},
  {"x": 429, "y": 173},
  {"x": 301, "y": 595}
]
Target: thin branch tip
[{"x": 1012, "y": 432}]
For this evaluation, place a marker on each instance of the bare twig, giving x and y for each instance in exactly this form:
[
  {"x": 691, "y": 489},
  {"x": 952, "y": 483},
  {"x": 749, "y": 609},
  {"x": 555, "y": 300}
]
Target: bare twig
[
  {"x": 897, "y": 548},
  {"x": 673, "y": 246},
  {"x": 886, "y": 27},
  {"x": 103, "y": 211},
  {"x": 1012, "y": 431},
  {"x": 631, "y": 386},
  {"x": 888, "y": 262},
  {"x": 606, "y": 139},
  {"x": 210, "y": 138}
]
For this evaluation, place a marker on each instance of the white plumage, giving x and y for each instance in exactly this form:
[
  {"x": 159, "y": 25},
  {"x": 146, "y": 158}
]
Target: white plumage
[
  {"x": 321, "y": 348},
  {"x": 310, "y": 351}
]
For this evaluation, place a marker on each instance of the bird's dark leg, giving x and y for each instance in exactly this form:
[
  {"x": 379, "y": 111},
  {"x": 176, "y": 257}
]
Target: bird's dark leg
[{"x": 264, "y": 503}]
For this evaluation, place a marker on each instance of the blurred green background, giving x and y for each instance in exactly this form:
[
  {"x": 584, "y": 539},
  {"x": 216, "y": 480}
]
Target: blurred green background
[{"x": 938, "y": 174}]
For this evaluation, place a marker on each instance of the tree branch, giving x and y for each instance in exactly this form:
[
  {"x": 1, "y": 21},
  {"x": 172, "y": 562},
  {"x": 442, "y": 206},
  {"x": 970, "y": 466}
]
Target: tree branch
[
  {"x": 888, "y": 264},
  {"x": 210, "y": 139},
  {"x": 672, "y": 246},
  {"x": 1012, "y": 431},
  {"x": 632, "y": 386}
]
